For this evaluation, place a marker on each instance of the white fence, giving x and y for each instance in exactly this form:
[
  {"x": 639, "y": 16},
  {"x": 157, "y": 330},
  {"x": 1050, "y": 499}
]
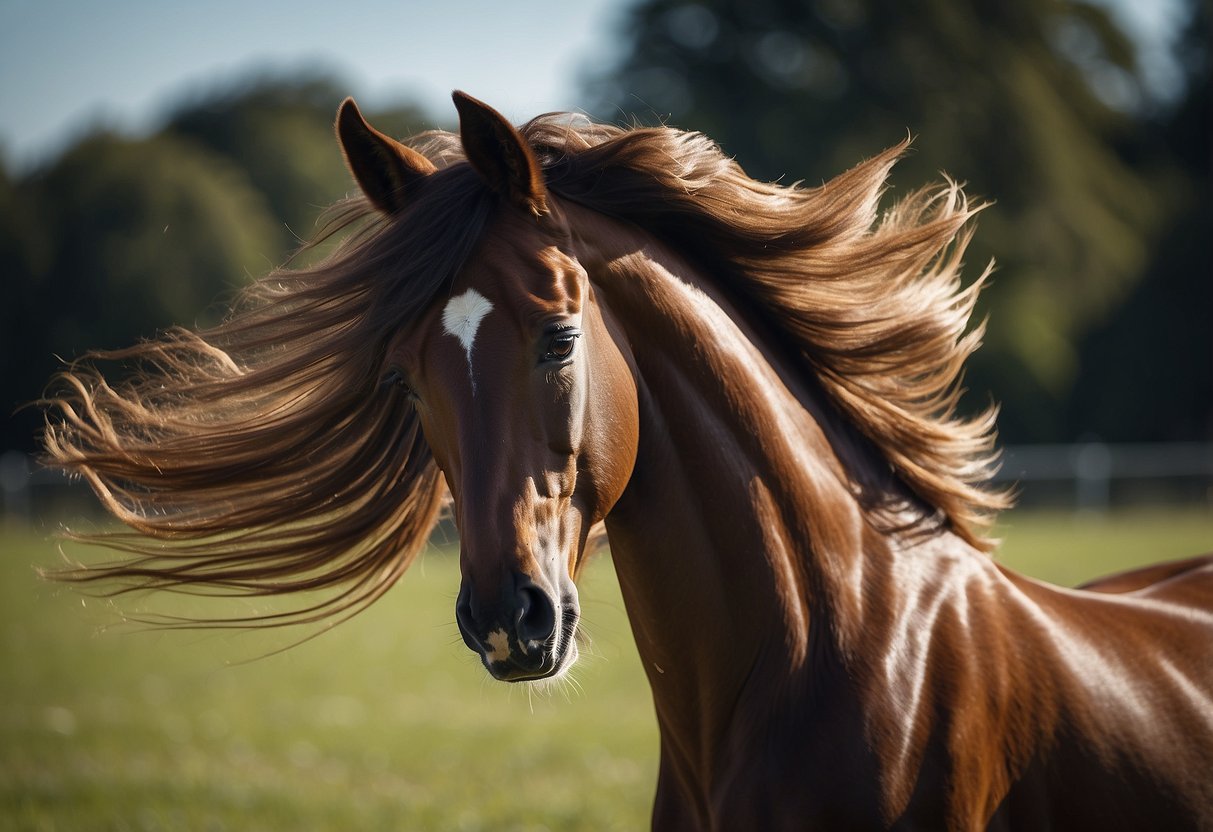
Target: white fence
[
  {"x": 1091, "y": 476},
  {"x": 1089, "y": 471}
]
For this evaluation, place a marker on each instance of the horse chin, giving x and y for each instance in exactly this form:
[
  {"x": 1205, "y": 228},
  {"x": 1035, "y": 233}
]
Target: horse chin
[
  {"x": 562, "y": 681},
  {"x": 555, "y": 677}
]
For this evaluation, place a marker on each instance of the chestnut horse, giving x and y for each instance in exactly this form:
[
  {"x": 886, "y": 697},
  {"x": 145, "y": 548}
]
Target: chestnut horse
[{"x": 755, "y": 388}]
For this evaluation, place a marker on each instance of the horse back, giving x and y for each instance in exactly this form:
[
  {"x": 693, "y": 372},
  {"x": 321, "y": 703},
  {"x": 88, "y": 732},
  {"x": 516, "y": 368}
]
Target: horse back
[
  {"x": 1157, "y": 577},
  {"x": 1133, "y": 680}
]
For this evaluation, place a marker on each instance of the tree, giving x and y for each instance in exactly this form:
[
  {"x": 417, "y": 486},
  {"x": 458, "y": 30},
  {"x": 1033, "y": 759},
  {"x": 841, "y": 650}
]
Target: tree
[
  {"x": 279, "y": 131},
  {"x": 121, "y": 237},
  {"x": 1159, "y": 342},
  {"x": 1015, "y": 99}
]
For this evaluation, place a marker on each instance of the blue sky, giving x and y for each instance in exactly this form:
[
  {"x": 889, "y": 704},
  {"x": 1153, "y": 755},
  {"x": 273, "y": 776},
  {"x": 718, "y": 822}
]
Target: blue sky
[{"x": 69, "y": 65}]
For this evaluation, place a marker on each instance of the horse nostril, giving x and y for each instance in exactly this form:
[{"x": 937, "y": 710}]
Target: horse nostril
[
  {"x": 536, "y": 615},
  {"x": 465, "y": 617}
]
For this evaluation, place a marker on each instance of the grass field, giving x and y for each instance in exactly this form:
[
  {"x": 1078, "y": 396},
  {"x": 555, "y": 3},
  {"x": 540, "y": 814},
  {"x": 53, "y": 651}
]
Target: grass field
[{"x": 387, "y": 722}]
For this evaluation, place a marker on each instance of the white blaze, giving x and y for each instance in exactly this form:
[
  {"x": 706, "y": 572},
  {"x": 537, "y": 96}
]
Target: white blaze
[{"x": 462, "y": 317}]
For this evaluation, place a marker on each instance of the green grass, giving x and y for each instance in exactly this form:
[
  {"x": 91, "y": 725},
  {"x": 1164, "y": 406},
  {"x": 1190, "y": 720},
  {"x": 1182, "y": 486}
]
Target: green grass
[
  {"x": 388, "y": 722},
  {"x": 1068, "y": 549}
]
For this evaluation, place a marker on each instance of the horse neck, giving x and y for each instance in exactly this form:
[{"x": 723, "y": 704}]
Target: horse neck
[
  {"x": 740, "y": 544},
  {"x": 769, "y": 604}
]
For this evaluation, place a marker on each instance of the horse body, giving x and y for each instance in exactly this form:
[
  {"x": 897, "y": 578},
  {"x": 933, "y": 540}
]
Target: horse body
[{"x": 755, "y": 391}]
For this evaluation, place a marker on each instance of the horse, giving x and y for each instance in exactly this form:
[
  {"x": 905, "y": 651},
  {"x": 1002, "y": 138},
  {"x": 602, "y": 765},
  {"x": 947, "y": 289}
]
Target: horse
[{"x": 566, "y": 329}]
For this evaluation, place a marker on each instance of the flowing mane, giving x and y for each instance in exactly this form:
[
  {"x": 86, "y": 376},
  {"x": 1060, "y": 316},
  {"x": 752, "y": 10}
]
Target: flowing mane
[
  {"x": 874, "y": 303},
  {"x": 266, "y": 455}
]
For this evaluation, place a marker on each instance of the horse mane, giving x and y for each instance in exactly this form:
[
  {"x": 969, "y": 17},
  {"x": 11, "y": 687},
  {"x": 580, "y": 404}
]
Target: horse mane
[
  {"x": 265, "y": 456},
  {"x": 873, "y": 303}
]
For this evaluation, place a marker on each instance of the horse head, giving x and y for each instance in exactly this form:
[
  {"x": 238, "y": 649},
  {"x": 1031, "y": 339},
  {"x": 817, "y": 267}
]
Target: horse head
[{"x": 525, "y": 397}]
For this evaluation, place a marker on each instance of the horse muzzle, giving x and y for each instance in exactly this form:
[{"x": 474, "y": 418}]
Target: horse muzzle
[{"x": 527, "y": 635}]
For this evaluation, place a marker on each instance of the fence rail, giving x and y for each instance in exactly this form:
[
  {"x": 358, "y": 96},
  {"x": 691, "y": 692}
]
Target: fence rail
[
  {"x": 1093, "y": 467},
  {"x": 1085, "y": 476}
]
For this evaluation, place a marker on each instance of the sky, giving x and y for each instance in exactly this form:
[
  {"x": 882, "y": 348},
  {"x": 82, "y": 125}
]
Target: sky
[{"x": 67, "y": 66}]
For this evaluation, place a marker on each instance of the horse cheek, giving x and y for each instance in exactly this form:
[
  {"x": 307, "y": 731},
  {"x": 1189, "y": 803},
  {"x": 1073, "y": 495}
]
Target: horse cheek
[{"x": 612, "y": 429}]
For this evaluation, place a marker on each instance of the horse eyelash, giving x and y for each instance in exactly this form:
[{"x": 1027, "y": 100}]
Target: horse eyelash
[{"x": 395, "y": 378}]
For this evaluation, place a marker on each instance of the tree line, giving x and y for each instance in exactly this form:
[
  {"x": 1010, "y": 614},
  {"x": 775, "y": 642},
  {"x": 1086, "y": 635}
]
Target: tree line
[{"x": 1101, "y": 310}]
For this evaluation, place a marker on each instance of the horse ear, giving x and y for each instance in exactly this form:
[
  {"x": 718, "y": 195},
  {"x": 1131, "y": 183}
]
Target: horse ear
[
  {"x": 385, "y": 169},
  {"x": 500, "y": 155}
]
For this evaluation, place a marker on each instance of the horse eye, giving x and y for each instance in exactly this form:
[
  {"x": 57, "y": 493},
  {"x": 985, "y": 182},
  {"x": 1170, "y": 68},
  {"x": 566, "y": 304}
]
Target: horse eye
[
  {"x": 561, "y": 345},
  {"x": 394, "y": 378}
]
